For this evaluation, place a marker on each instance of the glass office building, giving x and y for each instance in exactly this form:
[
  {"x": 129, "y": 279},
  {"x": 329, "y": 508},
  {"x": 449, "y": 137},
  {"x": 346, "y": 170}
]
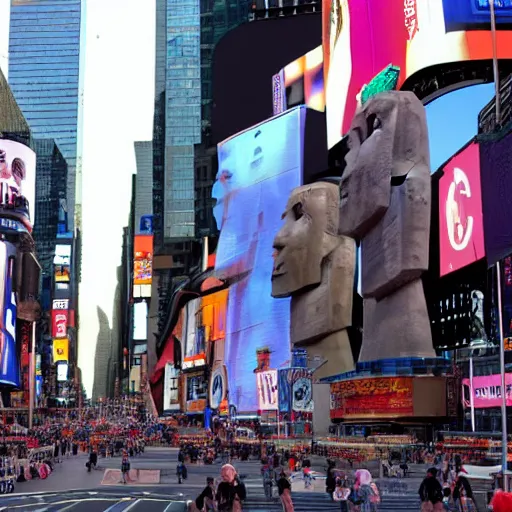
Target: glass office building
[{"x": 44, "y": 65}]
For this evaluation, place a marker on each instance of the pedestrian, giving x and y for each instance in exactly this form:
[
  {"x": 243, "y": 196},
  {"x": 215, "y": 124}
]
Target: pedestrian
[
  {"x": 181, "y": 472},
  {"x": 431, "y": 493},
  {"x": 284, "y": 488},
  {"x": 463, "y": 494},
  {"x": 341, "y": 494},
  {"x": 266, "y": 473},
  {"x": 230, "y": 492},
  {"x": 363, "y": 492},
  {"x": 125, "y": 466},
  {"x": 206, "y": 500}
]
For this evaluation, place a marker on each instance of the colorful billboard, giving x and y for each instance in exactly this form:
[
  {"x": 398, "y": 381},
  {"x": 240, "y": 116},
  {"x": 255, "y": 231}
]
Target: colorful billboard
[
  {"x": 362, "y": 37},
  {"x": 61, "y": 350},
  {"x": 62, "y": 274},
  {"x": 300, "y": 83},
  {"x": 171, "y": 388},
  {"x": 146, "y": 225},
  {"x": 24, "y": 338},
  {"x": 266, "y": 384},
  {"x": 295, "y": 390},
  {"x": 59, "y": 323},
  {"x": 373, "y": 397},
  {"x": 9, "y": 367},
  {"x": 61, "y": 304},
  {"x": 218, "y": 386},
  {"x": 258, "y": 169},
  {"x": 196, "y": 393},
  {"x": 461, "y": 230},
  {"x": 62, "y": 255},
  {"x": 17, "y": 175},
  {"x": 486, "y": 391},
  {"x": 143, "y": 259}
]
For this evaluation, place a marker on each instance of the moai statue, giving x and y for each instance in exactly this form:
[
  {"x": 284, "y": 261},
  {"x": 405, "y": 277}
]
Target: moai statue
[
  {"x": 316, "y": 268},
  {"x": 385, "y": 204}
]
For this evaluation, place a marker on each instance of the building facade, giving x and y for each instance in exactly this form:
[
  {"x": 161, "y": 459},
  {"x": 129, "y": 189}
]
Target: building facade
[{"x": 44, "y": 73}]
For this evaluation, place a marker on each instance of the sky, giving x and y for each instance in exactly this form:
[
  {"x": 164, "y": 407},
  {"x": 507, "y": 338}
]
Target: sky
[{"x": 118, "y": 110}]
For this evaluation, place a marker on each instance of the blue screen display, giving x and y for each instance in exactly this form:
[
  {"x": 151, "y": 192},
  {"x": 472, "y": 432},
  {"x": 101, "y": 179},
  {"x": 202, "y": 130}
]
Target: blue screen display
[
  {"x": 9, "y": 364},
  {"x": 257, "y": 171}
]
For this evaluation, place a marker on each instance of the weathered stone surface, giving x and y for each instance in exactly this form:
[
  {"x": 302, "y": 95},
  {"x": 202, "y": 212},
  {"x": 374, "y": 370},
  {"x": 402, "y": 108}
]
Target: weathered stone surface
[
  {"x": 385, "y": 203},
  {"x": 316, "y": 267}
]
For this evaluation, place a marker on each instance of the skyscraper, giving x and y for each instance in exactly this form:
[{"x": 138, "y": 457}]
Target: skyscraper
[{"x": 44, "y": 74}]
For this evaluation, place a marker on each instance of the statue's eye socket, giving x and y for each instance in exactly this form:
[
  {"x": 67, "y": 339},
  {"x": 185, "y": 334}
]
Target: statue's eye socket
[
  {"x": 298, "y": 212},
  {"x": 372, "y": 123}
]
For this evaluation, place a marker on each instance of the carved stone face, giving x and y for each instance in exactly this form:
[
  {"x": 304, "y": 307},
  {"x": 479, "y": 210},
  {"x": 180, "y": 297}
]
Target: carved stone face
[
  {"x": 309, "y": 234},
  {"x": 387, "y": 138}
]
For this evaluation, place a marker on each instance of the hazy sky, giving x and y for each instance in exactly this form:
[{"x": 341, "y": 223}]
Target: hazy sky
[{"x": 118, "y": 103}]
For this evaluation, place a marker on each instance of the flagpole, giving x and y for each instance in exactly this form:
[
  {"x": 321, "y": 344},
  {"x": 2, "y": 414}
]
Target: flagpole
[{"x": 504, "y": 436}]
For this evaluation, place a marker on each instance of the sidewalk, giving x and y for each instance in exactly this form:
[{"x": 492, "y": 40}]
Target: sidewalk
[{"x": 68, "y": 475}]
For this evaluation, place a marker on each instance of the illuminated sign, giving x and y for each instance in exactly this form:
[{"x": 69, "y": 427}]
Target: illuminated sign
[
  {"x": 61, "y": 350},
  {"x": 62, "y": 372},
  {"x": 143, "y": 259},
  {"x": 62, "y": 255},
  {"x": 266, "y": 384},
  {"x": 461, "y": 232},
  {"x": 12, "y": 225},
  {"x": 62, "y": 274},
  {"x": 194, "y": 362},
  {"x": 218, "y": 386},
  {"x": 171, "y": 389},
  {"x": 59, "y": 323},
  {"x": 61, "y": 304}
]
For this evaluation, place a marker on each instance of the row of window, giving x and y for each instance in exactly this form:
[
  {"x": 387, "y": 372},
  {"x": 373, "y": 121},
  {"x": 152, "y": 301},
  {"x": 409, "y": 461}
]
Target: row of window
[
  {"x": 22, "y": 7},
  {"x": 20, "y": 30},
  {"x": 58, "y": 48},
  {"x": 44, "y": 55},
  {"x": 47, "y": 74},
  {"x": 178, "y": 140}
]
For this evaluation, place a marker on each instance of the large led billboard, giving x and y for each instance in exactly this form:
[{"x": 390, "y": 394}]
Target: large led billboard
[
  {"x": 461, "y": 231},
  {"x": 60, "y": 323},
  {"x": 486, "y": 391},
  {"x": 140, "y": 320},
  {"x": 17, "y": 174},
  {"x": 362, "y": 37},
  {"x": 258, "y": 169},
  {"x": 171, "y": 389},
  {"x": 9, "y": 367},
  {"x": 300, "y": 83},
  {"x": 143, "y": 259}
]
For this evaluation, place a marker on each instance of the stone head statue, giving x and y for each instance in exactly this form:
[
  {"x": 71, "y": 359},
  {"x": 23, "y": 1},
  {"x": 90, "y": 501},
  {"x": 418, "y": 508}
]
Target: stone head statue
[
  {"x": 309, "y": 235},
  {"x": 316, "y": 267},
  {"x": 385, "y": 204}
]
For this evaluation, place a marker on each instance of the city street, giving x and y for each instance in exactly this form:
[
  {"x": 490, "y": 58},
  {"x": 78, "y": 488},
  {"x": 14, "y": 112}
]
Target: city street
[{"x": 71, "y": 488}]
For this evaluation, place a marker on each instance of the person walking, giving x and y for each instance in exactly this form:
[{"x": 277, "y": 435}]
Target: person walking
[
  {"x": 267, "y": 474},
  {"x": 230, "y": 492},
  {"x": 463, "y": 494},
  {"x": 341, "y": 494},
  {"x": 431, "y": 493},
  {"x": 125, "y": 466},
  {"x": 285, "y": 492},
  {"x": 206, "y": 500}
]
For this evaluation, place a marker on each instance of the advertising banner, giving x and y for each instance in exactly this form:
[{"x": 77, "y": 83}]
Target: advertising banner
[
  {"x": 295, "y": 390},
  {"x": 143, "y": 259},
  {"x": 171, "y": 389},
  {"x": 59, "y": 323},
  {"x": 425, "y": 33},
  {"x": 61, "y": 350},
  {"x": 9, "y": 364},
  {"x": 266, "y": 384},
  {"x": 62, "y": 255},
  {"x": 461, "y": 231},
  {"x": 24, "y": 337},
  {"x": 62, "y": 274},
  {"x": 218, "y": 386},
  {"x": 373, "y": 397},
  {"x": 146, "y": 225},
  {"x": 196, "y": 393},
  {"x": 61, "y": 304},
  {"x": 258, "y": 168},
  {"x": 486, "y": 391},
  {"x": 17, "y": 175},
  {"x": 62, "y": 372}
]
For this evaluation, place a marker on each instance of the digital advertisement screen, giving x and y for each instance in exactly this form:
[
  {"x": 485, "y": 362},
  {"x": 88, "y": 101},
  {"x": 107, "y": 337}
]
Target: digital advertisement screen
[
  {"x": 486, "y": 391},
  {"x": 62, "y": 255},
  {"x": 17, "y": 174},
  {"x": 358, "y": 43},
  {"x": 301, "y": 83},
  {"x": 295, "y": 390},
  {"x": 61, "y": 350},
  {"x": 171, "y": 389},
  {"x": 146, "y": 225},
  {"x": 62, "y": 274},
  {"x": 59, "y": 323},
  {"x": 143, "y": 259},
  {"x": 9, "y": 364},
  {"x": 196, "y": 393},
  {"x": 62, "y": 372},
  {"x": 258, "y": 169},
  {"x": 140, "y": 320},
  {"x": 461, "y": 229},
  {"x": 268, "y": 397}
]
